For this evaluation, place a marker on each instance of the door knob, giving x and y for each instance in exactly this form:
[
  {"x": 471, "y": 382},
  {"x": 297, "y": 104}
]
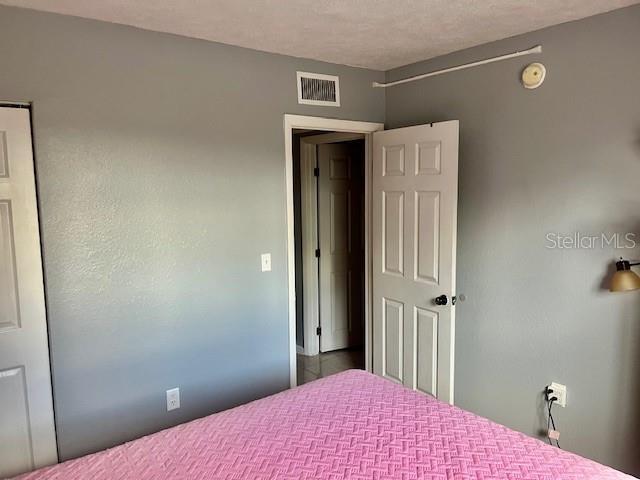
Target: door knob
[{"x": 441, "y": 300}]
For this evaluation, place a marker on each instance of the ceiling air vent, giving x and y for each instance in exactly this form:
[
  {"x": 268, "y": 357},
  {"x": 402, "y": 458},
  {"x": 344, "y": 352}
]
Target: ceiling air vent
[{"x": 318, "y": 89}]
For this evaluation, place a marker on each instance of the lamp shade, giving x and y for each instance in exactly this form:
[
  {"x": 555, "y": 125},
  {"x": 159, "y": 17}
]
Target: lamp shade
[{"x": 624, "y": 279}]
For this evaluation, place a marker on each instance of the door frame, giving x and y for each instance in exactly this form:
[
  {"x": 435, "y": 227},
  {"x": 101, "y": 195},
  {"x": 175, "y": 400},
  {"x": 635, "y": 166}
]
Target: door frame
[
  {"x": 292, "y": 122},
  {"x": 309, "y": 192}
]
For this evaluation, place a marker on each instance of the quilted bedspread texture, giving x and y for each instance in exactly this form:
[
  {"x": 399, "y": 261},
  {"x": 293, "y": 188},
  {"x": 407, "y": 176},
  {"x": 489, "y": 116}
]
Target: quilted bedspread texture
[{"x": 352, "y": 425}]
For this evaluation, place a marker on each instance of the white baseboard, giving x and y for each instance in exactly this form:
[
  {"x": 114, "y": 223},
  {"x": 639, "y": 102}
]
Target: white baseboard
[{"x": 299, "y": 349}]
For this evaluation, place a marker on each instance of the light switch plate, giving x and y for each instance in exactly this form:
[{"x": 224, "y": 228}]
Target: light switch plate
[
  {"x": 265, "y": 259},
  {"x": 173, "y": 399}
]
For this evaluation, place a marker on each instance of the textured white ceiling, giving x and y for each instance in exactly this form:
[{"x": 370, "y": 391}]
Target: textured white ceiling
[{"x": 378, "y": 34}]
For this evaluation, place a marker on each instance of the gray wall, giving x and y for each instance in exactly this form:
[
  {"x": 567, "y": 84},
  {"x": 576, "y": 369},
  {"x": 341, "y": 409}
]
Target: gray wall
[
  {"x": 563, "y": 158},
  {"x": 160, "y": 169}
]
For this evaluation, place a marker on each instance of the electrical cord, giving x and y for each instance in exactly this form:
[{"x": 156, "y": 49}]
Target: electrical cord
[
  {"x": 553, "y": 423},
  {"x": 549, "y": 426},
  {"x": 550, "y": 421}
]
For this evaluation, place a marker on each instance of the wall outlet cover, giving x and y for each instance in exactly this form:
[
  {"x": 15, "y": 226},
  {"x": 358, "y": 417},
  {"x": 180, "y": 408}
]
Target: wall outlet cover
[
  {"x": 559, "y": 391},
  {"x": 173, "y": 399}
]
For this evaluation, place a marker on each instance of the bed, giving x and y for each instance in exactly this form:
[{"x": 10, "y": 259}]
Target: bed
[{"x": 352, "y": 425}]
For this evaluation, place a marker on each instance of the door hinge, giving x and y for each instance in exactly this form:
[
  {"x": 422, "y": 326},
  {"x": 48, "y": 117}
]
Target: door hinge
[
  {"x": 317, "y": 253},
  {"x": 316, "y": 172},
  {"x": 319, "y": 331}
]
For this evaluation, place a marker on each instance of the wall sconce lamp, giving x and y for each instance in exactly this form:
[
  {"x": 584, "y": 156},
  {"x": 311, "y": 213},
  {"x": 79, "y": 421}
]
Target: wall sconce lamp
[{"x": 625, "y": 279}]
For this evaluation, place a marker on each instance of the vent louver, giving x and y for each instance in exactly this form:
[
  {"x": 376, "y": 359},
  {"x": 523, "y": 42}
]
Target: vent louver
[{"x": 318, "y": 89}]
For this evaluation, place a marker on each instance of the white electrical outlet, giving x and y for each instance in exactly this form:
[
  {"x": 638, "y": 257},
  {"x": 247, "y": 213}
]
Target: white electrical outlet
[
  {"x": 173, "y": 399},
  {"x": 265, "y": 259},
  {"x": 559, "y": 391}
]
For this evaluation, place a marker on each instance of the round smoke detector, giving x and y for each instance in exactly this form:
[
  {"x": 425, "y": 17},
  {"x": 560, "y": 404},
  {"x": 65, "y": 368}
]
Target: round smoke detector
[{"x": 533, "y": 75}]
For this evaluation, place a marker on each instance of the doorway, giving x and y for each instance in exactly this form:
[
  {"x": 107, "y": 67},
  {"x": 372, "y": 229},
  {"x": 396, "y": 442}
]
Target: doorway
[
  {"x": 410, "y": 216},
  {"x": 329, "y": 203},
  {"x": 356, "y": 136}
]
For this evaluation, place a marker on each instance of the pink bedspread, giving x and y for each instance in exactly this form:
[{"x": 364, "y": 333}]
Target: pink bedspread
[{"x": 348, "y": 426}]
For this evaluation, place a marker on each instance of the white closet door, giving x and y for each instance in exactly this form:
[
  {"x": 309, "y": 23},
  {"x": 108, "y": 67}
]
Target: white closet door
[{"x": 27, "y": 434}]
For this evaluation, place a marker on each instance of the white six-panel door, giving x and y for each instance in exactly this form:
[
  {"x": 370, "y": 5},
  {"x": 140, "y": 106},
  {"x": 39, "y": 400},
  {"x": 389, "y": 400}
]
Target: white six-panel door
[
  {"x": 27, "y": 435},
  {"x": 414, "y": 209},
  {"x": 341, "y": 222}
]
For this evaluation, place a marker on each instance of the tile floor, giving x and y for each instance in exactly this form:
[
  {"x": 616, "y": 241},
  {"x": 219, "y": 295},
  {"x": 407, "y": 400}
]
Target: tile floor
[{"x": 325, "y": 364}]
